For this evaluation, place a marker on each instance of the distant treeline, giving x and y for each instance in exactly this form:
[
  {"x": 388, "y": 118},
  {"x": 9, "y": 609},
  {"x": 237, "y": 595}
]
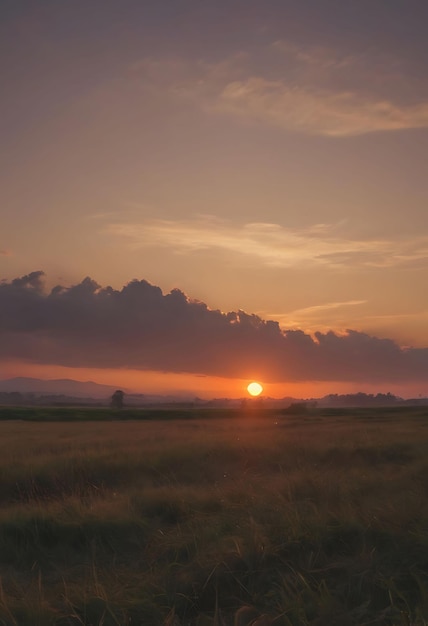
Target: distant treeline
[
  {"x": 16, "y": 398},
  {"x": 367, "y": 399},
  {"x": 360, "y": 399},
  {"x": 22, "y": 399}
]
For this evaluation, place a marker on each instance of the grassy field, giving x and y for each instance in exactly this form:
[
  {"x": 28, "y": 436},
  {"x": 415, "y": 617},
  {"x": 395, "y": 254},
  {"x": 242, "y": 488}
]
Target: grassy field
[{"x": 223, "y": 519}]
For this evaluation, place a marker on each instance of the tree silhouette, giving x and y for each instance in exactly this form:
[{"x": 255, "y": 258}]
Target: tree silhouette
[{"x": 117, "y": 399}]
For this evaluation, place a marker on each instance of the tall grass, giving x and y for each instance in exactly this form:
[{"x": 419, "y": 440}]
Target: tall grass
[{"x": 313, "y": 520}]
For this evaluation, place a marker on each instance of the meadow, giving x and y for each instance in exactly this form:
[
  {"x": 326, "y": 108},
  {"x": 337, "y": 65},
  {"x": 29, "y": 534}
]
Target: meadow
[{"x": 213, "y": 518}]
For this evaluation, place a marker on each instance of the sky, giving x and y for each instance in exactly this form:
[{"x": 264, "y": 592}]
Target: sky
[{"x": 198, "y": 193}]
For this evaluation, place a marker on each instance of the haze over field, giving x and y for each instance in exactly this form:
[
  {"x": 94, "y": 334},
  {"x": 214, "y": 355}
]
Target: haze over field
[{"x": 259, "y": 169}]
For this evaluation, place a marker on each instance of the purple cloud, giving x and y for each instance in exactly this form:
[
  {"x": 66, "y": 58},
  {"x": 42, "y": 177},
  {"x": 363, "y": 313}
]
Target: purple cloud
[{"x": 140, "y": 327}]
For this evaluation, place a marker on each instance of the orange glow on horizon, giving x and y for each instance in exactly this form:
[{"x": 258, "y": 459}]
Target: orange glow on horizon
[{"x": 205, "y": 387}]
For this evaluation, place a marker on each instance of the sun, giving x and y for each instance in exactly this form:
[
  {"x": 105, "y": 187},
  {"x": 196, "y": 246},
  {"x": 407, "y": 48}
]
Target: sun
[{"x": 254, "y": 389}]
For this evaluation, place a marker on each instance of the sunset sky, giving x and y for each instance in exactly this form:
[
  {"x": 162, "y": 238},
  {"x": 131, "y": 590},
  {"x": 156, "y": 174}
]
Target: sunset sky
[{"x": 257, "y": 168}]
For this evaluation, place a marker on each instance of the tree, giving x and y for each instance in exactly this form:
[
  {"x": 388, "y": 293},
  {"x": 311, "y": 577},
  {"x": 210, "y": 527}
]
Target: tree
[{"x": 117, "y": 399}]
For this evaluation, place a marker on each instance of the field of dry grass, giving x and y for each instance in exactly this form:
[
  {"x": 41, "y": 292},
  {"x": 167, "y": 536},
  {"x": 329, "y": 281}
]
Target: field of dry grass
[{"x": 319, "y": 519}]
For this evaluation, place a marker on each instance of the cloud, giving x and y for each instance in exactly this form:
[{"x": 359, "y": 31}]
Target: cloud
[
  {"x": 139, "y": 327},
  {"x": 311, "y": 315},
  {"x": 5, "y": 253},
  {"x": 301, "y": 89},
  {"x": 323, "y": 112},
  {"x": 309, "y": 310},
  {"x": 318, "y": 57},
  {"x": 275, "y": 245}
]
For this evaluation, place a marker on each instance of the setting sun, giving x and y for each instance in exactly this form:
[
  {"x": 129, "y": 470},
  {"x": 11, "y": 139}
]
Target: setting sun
[{"x": 254, "y": 389}]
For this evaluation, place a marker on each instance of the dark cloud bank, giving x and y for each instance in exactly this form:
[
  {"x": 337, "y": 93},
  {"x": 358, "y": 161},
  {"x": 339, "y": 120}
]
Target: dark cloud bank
[{"x": 140, "y": 327}]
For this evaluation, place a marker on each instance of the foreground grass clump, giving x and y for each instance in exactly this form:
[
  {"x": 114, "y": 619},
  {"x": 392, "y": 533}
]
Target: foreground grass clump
[{"x": 320, "y": 520}]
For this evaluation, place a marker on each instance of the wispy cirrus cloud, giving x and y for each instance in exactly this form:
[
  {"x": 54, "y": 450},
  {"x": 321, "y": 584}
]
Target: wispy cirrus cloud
[
  {"x": 313, "y": 318},
  {"x": 301, "y": 89},
  {"x": 324, "y": 112},
  {"x": 273, "y": 244},
  {"x": 310, "y": 310},
  {"x": 318, "y": 57}
]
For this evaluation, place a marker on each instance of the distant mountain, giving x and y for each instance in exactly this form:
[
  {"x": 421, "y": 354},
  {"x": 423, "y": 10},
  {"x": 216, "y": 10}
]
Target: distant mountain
[{"x": 63, "y": 386}]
